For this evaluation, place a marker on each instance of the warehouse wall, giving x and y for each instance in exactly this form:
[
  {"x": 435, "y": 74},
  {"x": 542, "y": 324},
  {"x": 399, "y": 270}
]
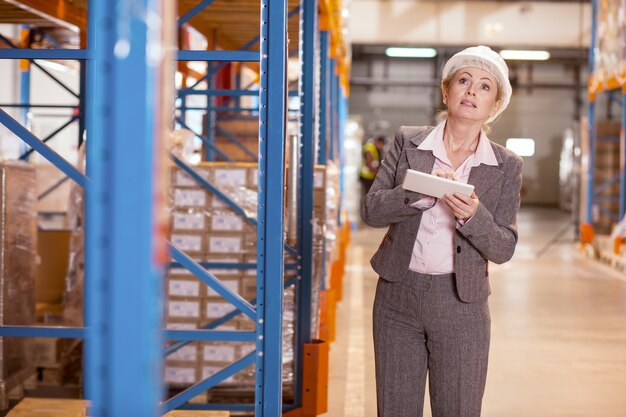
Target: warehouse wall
[
  {"x": 540, "y": 113},
  {"x": 43, "y": 91}
]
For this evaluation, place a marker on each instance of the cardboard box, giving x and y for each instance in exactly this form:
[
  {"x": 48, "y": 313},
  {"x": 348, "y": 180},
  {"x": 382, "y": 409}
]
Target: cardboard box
[
  {"x": 189, "y": 197},
  {"x": 217, "y": 309},
  {"x": 218, "y": 352},
  {"x": 18, "y": 269},
  {"x": 183, "y": 309},
  {"x": 45, "y": 352},
  {"x": 189, "y": 242},
  {"x": 53, "y": 249},
  {"x": 195, "y": 221},
  {"x": 180, "y": 178},
  {"x": 226, "y": 243},
  {"x": 319, "y": 177},
  {"x": 185, "y": 287},
  {"x": 180, "y": 373}
]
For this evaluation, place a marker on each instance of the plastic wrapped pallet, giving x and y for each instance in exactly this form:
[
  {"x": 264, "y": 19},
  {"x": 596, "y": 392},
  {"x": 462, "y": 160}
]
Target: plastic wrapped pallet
[
  {"x": 210, "y": 231},
  {"x": 18, "y": 225}
]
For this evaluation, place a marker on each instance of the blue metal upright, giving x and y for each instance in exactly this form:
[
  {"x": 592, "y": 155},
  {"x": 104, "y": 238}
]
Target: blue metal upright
[
  {"x": 124, "y": 255},
  {"x": 591, "y": 115},
  {"x": 272, "y": 131},
  {"x": 308, "y": 116},
  {"x": 324, "y": 96}
]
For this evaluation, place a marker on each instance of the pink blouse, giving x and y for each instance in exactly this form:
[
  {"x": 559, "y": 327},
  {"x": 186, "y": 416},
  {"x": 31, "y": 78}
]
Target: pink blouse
[{"x": 433, "y": 252}]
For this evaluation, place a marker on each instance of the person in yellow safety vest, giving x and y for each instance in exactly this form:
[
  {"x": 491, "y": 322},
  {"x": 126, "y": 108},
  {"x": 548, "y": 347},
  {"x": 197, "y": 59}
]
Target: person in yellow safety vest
[{"x": 371, "y": 157}]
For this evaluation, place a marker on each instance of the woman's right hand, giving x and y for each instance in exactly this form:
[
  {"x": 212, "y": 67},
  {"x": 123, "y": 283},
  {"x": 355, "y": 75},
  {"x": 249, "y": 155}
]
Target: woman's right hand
[{"x": 446, "y": 174}]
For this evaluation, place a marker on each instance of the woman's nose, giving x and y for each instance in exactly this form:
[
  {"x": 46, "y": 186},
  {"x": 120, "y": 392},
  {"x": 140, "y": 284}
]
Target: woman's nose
[{"x": 470, "y": 91}]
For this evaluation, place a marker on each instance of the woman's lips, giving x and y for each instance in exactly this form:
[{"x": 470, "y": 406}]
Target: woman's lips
[{"x": 468, "y": 103}]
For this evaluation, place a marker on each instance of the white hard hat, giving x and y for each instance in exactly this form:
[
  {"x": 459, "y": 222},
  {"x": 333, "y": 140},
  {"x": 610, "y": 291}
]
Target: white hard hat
[{"x": 487, "y": 59}]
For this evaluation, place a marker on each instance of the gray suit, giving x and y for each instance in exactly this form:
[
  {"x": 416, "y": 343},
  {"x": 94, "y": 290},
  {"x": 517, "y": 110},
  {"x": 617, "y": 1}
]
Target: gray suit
[{"x": 430, "y": 322}]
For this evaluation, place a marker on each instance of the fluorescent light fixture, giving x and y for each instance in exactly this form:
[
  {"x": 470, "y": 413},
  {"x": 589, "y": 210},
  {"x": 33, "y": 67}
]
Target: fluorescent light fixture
[
  {"x": 521, "y": 146},
  {"x": 397, "y": 52},
  {"x": 515, "y": 54}
]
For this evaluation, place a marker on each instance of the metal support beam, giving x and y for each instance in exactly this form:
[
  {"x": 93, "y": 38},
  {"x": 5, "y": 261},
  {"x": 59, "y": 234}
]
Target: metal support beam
[
  {"x": 124, "y": 253},
  {"x": 308, "y": 117},
  {"x": 197, "y": 55},
  {"x": 45, "y": 151},
  {"x": 591, "y": 117},
  {"x": 324, "y": 96},
  {"x": 50, "y": 136},
  {"x": 61, "y": 54},
  {"x": 272, "y": 133},
  {"x": 194, "y": 11}
]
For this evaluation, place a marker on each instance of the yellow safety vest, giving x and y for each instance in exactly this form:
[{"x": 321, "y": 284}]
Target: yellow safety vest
[{"x": 366, "y": 173}]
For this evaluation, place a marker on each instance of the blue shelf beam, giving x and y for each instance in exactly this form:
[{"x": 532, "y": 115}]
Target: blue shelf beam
[
  {"x": 42, "y": 331},
  {"x": 229, "y": 93},
  {"x": 209, "y": 335},
  {"x": 272, "y": 133},
  {"x": 124, "y": 255},
  {"x": 199, "y": 55},
  {"x": 39, "y": 146},
  {"x": 58, "y": 54}
]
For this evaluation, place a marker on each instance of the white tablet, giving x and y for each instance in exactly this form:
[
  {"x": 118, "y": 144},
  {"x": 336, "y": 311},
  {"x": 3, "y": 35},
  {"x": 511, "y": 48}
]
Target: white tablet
[{"x": 433, "y": 185}]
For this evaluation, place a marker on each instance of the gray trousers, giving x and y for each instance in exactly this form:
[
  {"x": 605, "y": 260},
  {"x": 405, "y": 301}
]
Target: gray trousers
[{"x": 421, "y": 326}]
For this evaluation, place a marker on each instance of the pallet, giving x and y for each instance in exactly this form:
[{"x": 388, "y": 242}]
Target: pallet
[{"x": 13, "y": 387}]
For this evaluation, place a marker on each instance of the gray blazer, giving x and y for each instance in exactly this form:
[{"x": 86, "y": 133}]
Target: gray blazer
[{"x": 490, "y": 235}]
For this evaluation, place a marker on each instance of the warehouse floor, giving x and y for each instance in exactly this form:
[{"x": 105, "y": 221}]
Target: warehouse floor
[{"x": 558, "y": 330}]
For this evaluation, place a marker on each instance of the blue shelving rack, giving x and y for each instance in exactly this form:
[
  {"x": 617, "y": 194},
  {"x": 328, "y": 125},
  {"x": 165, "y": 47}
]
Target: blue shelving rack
[
  {"x": 124, "y": 253},
  {"x": 593, "y": 196}
]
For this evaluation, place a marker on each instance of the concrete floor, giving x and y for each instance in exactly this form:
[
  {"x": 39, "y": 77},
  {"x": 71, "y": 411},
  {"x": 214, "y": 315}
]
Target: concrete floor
[{"x": 558, "y": 330}]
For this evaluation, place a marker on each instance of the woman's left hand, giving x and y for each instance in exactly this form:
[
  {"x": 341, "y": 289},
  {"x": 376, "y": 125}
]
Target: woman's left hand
[{"x": 462, "y": 206}]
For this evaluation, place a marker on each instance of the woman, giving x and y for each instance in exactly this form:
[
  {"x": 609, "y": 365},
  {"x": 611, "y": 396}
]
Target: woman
[{"x": 431, "y": 313}]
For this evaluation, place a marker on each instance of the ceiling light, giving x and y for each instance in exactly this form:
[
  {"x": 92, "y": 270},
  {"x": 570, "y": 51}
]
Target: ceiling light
[
  {"x": 411, "y": 52},
  {"x": 524, "y": 55}
]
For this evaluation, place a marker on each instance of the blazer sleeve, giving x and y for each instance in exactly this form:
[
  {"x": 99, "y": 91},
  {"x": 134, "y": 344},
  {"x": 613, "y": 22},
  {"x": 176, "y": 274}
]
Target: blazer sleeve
[
  {"x": 495, "y": 235},
  {"x": 387, "y": 203}
]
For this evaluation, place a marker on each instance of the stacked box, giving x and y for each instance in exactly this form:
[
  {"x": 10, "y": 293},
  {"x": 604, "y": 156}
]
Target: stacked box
[
  {"x": 208, "y": 230},
  {"x": 18, "y": 238},
  {"x": 606, "y": 167}
]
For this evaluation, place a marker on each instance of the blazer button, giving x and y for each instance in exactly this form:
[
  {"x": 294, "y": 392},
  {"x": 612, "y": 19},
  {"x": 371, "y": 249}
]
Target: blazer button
[
  {"x": 458, "y": 249},
  {"x": 406, "y": 201}
]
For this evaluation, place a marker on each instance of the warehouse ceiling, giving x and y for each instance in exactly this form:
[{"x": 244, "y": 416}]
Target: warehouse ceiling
[
  {"x": 438, "y": 23},
  {"x": 234, "y": 23}
]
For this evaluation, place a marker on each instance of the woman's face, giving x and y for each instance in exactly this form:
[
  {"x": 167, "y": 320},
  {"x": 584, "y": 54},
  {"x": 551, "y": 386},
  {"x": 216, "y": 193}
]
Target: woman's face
[{"x": 471, "y": 95}]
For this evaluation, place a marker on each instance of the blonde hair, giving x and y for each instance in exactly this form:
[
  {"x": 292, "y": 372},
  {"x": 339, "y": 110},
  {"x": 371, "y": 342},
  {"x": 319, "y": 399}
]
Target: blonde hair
[{"x": 445, "y": 85}]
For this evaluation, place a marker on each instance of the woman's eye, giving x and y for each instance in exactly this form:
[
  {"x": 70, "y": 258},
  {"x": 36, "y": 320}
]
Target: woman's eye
[
  {"x": 485, "y": 87},
  {"x": 462, "y": 80}
]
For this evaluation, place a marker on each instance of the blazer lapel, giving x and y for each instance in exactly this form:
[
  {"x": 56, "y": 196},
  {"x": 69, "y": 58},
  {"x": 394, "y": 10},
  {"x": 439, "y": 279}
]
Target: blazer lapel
[
  {"x": 483, "y": 177},
  {"x": 420, "y": 160}
]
